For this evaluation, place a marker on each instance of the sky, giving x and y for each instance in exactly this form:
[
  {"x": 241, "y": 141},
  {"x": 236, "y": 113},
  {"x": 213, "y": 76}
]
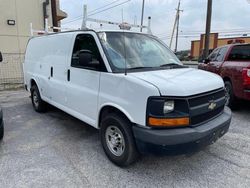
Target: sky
[{"x": 229, "y": 17}]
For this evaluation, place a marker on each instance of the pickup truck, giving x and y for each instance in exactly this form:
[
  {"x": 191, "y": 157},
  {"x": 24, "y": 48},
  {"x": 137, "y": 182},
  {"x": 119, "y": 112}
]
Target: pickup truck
[
  {"x": 128, "y": 85},
  {"x": 232, "y": 63}
]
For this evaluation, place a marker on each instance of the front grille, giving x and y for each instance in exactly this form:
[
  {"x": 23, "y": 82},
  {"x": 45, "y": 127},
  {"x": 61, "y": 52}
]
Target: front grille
[
  {"x": 206, "y": 116},
  {"x": 199, "y": 106},
  {"x": 206, "y": 97}
]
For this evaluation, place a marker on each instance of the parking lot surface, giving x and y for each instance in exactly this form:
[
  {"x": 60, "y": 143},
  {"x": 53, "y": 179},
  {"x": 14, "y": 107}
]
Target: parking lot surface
[{"x": 56, "y": 150}]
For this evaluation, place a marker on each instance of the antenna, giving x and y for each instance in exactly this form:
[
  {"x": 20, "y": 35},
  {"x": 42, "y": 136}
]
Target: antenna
[{"x": 149, "y": 26}]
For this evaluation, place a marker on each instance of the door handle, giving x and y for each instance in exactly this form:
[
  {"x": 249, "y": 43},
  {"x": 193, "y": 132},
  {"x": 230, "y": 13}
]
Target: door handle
[
  {"x": 51, "y": 72},
  {"x": 68, "y": 75}
]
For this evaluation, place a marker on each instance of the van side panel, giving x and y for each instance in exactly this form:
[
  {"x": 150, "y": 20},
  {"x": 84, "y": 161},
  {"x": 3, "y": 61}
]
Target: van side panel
[{"x": 43, "y": 54}]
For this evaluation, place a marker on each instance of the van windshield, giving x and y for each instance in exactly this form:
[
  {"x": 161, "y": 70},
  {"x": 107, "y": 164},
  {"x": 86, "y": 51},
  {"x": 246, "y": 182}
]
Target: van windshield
[{"x": 136, "y": 52}]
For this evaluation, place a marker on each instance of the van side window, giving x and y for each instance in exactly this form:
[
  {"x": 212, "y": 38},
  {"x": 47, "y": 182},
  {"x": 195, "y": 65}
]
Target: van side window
[{"x": 86, "y": 43}]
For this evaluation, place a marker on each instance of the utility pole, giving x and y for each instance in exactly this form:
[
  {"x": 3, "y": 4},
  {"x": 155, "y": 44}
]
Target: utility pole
[
  {"x": 176, "y": 26},
  {"x": 142, "y": 14},
  {"x": 208, "y": 28}
]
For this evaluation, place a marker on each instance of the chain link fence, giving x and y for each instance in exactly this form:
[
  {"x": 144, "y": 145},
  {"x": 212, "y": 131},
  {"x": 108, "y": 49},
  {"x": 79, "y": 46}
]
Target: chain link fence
[{"x": 11, "y": 71}]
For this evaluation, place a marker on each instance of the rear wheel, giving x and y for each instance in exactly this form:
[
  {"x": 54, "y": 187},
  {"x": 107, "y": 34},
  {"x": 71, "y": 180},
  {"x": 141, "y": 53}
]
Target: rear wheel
[
  {"x": 38, "y": 104},
  {"x": 117, "y": 140},
  {"x": 231, "y": 100}
]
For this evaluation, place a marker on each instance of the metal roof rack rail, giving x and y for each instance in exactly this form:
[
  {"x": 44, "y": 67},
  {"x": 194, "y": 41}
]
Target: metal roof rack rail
[{"x": 123, "y": 26}]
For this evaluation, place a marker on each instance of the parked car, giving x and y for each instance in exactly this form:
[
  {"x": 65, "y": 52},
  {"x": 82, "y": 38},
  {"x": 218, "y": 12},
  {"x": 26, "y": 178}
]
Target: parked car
[
  {"x": 232, "y": 63},
  {"x": 128, "y": 85},
  {"x": 1, "y": 112}
]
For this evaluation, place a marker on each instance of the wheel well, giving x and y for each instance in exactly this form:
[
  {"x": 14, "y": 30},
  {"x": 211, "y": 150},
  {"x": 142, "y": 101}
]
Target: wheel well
[
  {"x": 32, "y": 83},
  {"x": 109, "y": 109},
  {"x": 227, "y": 79}
]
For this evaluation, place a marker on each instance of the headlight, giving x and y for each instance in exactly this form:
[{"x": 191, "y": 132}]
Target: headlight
[
  {"x": 168, "y": 107},
  {"x": 167, "y": 112}
]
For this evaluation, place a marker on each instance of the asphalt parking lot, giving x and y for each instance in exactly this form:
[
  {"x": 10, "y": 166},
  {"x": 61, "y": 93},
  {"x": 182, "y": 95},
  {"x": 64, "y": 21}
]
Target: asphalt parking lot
[{"x": 57, "y": 150}]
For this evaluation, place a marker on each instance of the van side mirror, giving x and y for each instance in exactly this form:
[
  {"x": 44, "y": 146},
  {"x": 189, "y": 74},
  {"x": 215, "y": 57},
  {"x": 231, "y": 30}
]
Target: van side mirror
[
  {"x": 206, "y": 61},
  {"x": 85, "y": 57},
  {"x": 1, "y": 57}
]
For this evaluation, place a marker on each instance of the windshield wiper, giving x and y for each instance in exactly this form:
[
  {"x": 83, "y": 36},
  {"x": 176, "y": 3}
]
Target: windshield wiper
[
  {"x": 173, "y": 65},
  {"x": 135, "y": 68}
]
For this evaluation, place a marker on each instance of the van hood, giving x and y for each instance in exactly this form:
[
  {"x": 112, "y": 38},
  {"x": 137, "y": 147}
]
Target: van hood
[{"x": 181, "y": 82}]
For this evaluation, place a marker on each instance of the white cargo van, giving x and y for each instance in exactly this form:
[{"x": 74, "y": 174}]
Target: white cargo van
[{"x": 130, "y": 86}]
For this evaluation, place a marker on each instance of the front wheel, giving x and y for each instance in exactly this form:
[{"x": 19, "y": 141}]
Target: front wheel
[{"x": 117, "y": 140}]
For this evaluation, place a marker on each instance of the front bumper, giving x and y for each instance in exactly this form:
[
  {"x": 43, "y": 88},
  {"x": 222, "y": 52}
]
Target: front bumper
[{"x": 196, "y": 137}]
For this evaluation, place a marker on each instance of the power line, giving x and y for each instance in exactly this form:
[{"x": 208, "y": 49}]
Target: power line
[
  {"x": 197, "y": 36},
  {"x": 93, "y": 12},
  {"x": 218, "y": 30},
  {"x": 104, "y": 6},
  {"x": 201, "y": 32},
  {"x": 75, "y": 19},
  {"x": 110, "y": 8}
]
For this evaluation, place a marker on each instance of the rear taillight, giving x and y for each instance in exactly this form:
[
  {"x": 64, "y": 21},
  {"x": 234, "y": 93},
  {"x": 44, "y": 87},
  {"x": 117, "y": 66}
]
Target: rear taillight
[{"x": 246, "y": 76}]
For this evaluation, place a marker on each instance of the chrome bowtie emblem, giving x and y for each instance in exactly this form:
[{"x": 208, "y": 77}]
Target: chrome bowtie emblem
[{"x": 212, "y": 105}]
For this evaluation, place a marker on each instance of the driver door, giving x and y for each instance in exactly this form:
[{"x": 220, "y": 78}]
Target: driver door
[
  {"x": 215, "y": 64},
  {"x": 83, "y": 80},
  {"x": 208, "y": 66}
]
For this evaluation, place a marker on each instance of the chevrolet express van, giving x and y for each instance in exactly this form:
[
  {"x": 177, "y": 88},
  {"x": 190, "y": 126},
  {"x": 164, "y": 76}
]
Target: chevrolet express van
[{"x": 128, "y": 85}]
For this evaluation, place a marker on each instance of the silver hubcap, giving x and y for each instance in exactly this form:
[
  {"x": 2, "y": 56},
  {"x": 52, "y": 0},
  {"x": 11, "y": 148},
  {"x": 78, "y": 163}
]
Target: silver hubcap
[
  {"x": 115, "y": 140},
  {"x": 35, "y": 99},
  {"x": 227, "y": 96}
]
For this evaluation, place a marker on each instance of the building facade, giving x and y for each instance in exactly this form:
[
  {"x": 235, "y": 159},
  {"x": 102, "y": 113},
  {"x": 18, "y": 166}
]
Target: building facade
[
  {"x": 197, "y": 46},
  {"x": 15, "y": 19}
]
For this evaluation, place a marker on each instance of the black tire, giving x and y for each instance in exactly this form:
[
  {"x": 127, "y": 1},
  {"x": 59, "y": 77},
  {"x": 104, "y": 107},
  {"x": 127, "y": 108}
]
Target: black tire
[
  {"x": 231, "y": 100},
  {"x": 1, "y": 132},
  {"x": 38, "y": 104},
  {"x": 122, "y": 125}
]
